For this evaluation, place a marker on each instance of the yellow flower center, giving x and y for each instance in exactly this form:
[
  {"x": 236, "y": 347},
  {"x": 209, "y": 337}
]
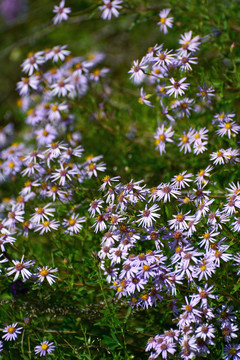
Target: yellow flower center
[
  {"x": 44, "y": 346},
  {"x": 44, "y": 272},
  {"x": 11, "y": 165},
  {"x": 188, "y": 308},
  {"x": 179, "y": 177},
  {"x": 91, "y": 166},
  {"x": 184, "y": 139},
  {"x": 54, "y": 108},
  {"x": 72, "y": 222},
  {"x": 162, "y": 137},
  {"x": 232, "y": 351},
  {"x": 96, "y": 72},
  {"x": 228, "y": 126},
  {"x": 201, "y": 172},
  {"x": 11, "y": 329},
  {"x": 180, "y": 217},
  {"x": 162, "y": 20},
  {"x": 146, "y": 267},
  {"x": 203, "y": 268}
]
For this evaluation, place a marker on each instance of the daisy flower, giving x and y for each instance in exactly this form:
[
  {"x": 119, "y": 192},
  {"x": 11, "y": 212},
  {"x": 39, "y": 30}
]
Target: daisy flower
[
  {"x": 62, "y": 88},
  {"x": 59, "y": 53},
  {"x": 20, "y": 267},
  {"x": 11, "y": 332},
  {"x": 199, "y": 147},
  {"x": 99, "y": 224},
  {"x": 177, "y": 87},
  {"x": 184, "y": 106},
  {"x": 46, "y": 226},
  {"x": 107, "y": 181},
  {"x": 95, "y": 206},
  {"x": 165, "y": 22},
  {"x": 231, "y": 352},
  {"x": 163, "y": 136},
  {"x": 234, "y": 190},
  {"x": 205, "y": 268},
  {"x": 186, "y": 141},
  {"x": 179, "y": 221},
  {"x": 189, "y": 43},
  {"x": 46, "y": 272},
  {"x": 205, "y": 92},
  {"x": 46, "y": 135},
  {"x": 181, "y": 180},
  {"x": 223, "y": 117},
  {"x": 61, "y": 13},
  {"x": 148, "y": 216},
  {"x": 202, "y": 174},
  {"x": 44, "y": 348},
  {"x": 63, "y": 175},
  {"x": 184, "y": 60},
  {"x": 73, "y": 224},
  {"x": 227, "y": 128},
  {"x": 163, "y": 58},
  {"x": 144, "y": 98},
  {"x": 165, "y": 191},
  {"x": 200, "y": 135},
  {"x": 205, "y": 331},
  {"x": 138, "y": 70},
  {"x": 25, "y": 84},
  {"x": 42, "y": 213},
  {"x": 110, "y": 8},
  {"x": 32, "y": 62},
  {"x": 218, "y": 157},
  {"x": 92, "y": 168}
]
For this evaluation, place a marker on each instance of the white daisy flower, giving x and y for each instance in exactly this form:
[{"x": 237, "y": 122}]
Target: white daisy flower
[
  {"x": 177, "y": 87},
  {"x": 165, "y": 22},
  {"x": 11, "y": 332},
  {"x": 46, "y": 272}
]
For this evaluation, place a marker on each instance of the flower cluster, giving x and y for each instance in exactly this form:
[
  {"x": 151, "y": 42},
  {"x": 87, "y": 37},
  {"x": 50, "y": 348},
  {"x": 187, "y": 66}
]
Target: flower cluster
[
  {"x": 155, "y": 69},
  {"x": 158, "y": 242},
  {"x": 49, "y": 163}
]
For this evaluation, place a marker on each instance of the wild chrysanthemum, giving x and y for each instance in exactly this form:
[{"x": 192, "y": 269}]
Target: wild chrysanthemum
[
  {"x": 110, "y": 8},
  {"x": 182, "y": 180},
  {"x": 46, "y": 272},
  {"x": 44, "y": 348},
  {"x": 148, "y": 215},
  {"x": 11, "y": 332},
  {"x": 162, "y": 136},
  {"x": 20, "y": 267},
  {"x": 138, "y": 71},
  {"x": 189, "y": 43},
  {"x": 165, "y": 22},
  {"x": 73, "y": 224},
  {"x": 177, "y": 87},
  {"x": 61, "y": 13}
]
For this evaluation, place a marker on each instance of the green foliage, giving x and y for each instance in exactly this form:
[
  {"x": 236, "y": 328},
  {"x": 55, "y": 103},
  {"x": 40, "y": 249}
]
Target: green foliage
[{"x": 79, "y": 312}]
